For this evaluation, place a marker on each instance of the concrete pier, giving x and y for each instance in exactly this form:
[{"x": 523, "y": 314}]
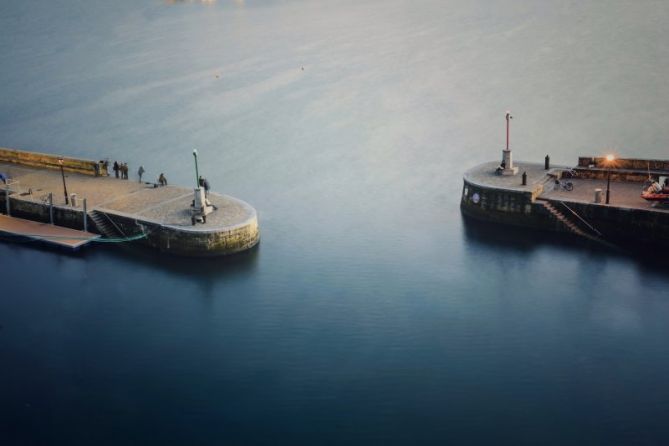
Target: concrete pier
[
  {"x": 126, "y": 208},
  {"x": 544, "y": 204}
]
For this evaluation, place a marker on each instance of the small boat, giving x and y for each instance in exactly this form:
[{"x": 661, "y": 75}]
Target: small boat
[{"x": 656, "y": 192}]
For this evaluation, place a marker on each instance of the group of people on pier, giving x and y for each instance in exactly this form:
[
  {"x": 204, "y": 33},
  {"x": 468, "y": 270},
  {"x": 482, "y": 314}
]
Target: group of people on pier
[{"x": 121, "y": 171}]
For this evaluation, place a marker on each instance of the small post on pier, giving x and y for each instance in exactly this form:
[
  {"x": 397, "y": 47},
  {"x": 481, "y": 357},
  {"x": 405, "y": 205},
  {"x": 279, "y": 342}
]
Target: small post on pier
[
  {"x": 9, "y": 212},
  {"x": 85, "y": 217},
  {"x": 62, "y": 174},
  {"x": 609, "y": 163},
  {"x": 50, "y": 207}
]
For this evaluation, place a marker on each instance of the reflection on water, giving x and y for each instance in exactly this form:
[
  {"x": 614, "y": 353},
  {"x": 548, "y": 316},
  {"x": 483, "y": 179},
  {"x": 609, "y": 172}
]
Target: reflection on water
[
  {"x": 370, "y": 313},
  {"x": 525, "y": 241}
]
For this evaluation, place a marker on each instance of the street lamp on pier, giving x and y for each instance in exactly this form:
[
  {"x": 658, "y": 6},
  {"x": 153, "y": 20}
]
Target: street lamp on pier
[
  {"x": 197, "y": 174},
  {"x": 62, "y": 174},
  {"x": 609, "y": 162}
]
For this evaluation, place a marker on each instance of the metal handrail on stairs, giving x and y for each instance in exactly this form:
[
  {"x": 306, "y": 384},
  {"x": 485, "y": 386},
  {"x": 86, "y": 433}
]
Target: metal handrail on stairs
[
  {"x": 111, "y": 221},
  {"x": 592, "y": 228}
]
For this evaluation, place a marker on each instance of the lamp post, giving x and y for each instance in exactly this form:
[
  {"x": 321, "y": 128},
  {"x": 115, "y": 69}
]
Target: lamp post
[
  {"x": 197, "y": 174},
  {"x": 62, "y": 174},
  {"x": 609, "y": 162}
]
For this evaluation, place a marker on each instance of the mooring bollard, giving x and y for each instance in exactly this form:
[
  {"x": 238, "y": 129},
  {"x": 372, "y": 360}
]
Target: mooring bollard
[
  {"x": 547, "y": 162},
  {"x": 51, "y": 207},
  {"x": 524, "y": 178},
  {"x": 598, "y": 195}
]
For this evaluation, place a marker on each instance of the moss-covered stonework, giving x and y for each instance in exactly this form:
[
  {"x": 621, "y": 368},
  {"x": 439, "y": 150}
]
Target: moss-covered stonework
[{"x": 46, "y": 161}]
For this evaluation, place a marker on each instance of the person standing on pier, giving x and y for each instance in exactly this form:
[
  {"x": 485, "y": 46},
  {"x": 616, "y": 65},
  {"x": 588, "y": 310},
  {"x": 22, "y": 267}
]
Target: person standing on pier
[
  {"x": 140, "y": 172},
  {"x": 116, "y": 168},
  {"x": 204, "y": 183}
]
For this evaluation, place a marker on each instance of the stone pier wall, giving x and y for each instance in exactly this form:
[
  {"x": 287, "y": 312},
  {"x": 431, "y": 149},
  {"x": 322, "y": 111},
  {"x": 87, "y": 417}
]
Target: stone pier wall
[
  {"x": 183, "y": 241},
  {"x": 626, "y": 224},
  {"x": 501, "y": 206},
  {"x": 623, "y": 169},
  {"x": 46, "y": 161},
  {"x": 62, "y": 216},
  {"x": 520, "y": 209}
]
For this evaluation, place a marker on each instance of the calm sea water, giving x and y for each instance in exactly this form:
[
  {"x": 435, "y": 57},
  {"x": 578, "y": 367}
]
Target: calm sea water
[{"x": 370, "y": 313}]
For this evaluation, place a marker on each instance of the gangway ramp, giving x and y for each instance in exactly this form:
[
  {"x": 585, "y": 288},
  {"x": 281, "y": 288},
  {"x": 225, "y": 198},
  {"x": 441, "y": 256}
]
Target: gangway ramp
[{"x": 46, "y": 233}]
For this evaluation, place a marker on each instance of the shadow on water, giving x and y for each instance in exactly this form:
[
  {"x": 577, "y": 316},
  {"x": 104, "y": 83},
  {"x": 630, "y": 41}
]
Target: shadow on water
[
  {"x": 206, "y": 271},
  {"x": 526, "y": 240}
]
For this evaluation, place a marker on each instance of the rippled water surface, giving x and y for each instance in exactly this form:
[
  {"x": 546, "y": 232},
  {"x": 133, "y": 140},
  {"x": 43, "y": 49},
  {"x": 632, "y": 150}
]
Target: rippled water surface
[{"x": 370, "y": 313}]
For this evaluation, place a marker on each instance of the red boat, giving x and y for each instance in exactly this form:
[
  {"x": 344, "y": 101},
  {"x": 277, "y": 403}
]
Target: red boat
[{"x": 656, "y": 192}]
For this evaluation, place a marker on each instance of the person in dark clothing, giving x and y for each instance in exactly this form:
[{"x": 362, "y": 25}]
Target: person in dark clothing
[
  {"x": 205, "y": 183},
  {"x": 116, "y": 169},
  {"x": 162, "y": 180},
  {"x": 140, "y": 172}
]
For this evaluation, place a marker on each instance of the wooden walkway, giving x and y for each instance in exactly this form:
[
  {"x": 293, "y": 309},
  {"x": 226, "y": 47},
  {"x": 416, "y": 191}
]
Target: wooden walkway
[{"x": 44, "y": 232}]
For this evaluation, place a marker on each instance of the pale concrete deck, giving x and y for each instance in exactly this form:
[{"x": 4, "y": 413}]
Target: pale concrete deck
[
  {"x": 623, "y": 194},
  {"x": 54, "y": 235},
  {"x": 169, "y": 205},
  {"x": 484, "y": 175}
]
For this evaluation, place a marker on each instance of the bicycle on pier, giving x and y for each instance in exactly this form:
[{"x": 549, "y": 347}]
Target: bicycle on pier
[{"x": 565, "y": 185}]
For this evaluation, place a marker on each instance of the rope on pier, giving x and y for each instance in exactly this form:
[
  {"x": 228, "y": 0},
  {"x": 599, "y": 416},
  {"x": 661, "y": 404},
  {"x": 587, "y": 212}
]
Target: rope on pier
[{"x": 121, "y": 239}]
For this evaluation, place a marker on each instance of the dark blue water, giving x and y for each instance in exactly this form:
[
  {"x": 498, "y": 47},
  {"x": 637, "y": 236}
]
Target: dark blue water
[{"x": 371, "y": 313}]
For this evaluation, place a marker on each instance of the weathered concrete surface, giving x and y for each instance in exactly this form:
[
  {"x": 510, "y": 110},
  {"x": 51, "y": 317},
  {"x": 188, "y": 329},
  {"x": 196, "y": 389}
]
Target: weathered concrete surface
[
  {"x": 46, "y": 233},
  {"x": 162, "y": 212},
  {"x": 484, "y": 175},
  {"x": 623, "y": 194}
]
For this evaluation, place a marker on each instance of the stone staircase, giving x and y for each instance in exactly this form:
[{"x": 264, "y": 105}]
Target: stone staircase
[
  {"x": 569, "y": 224},
  {"x": 104, "y": 225}
]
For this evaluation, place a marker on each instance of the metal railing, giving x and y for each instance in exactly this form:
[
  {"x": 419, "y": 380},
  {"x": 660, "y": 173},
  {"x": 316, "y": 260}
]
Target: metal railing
[
  {"x": 112, "y": 222},
  {"x": 592, "y": 228}
]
